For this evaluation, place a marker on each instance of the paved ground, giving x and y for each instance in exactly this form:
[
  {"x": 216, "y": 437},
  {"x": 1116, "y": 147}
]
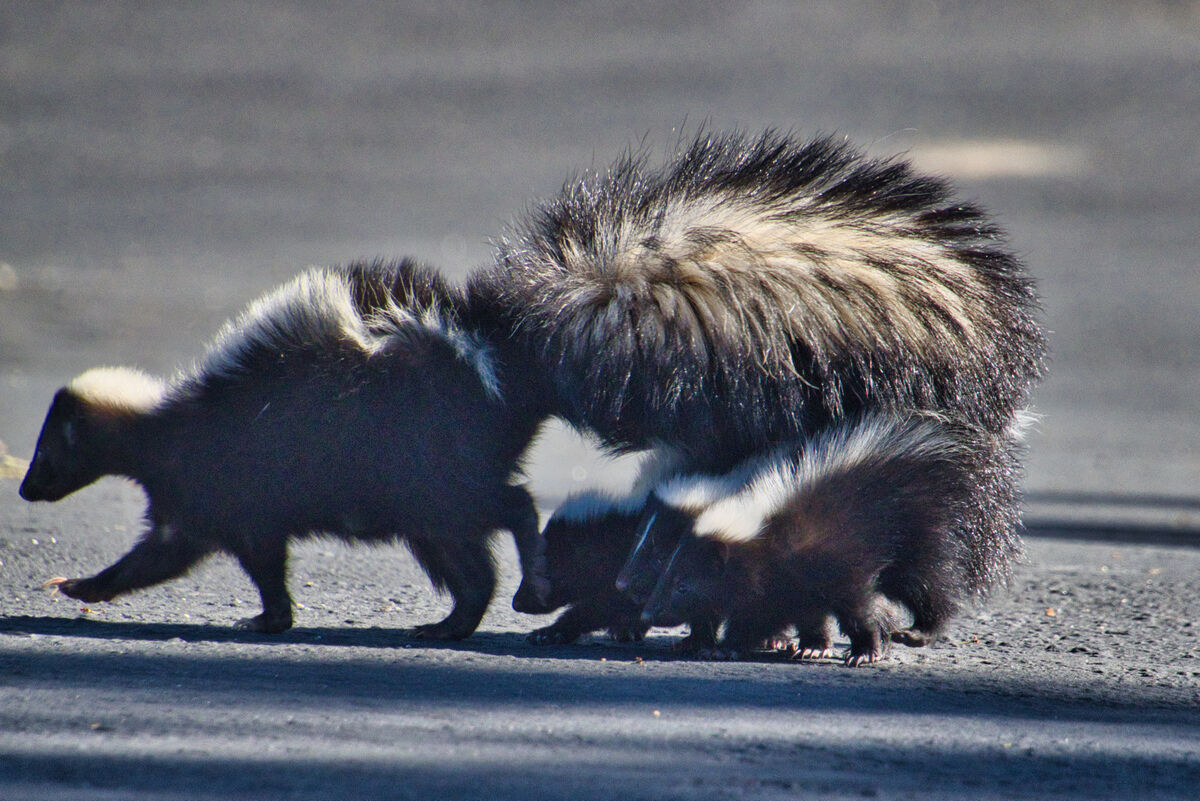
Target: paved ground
[
  {"x": 161, "y": 165},
  {"x": 1082, "y": 683}
]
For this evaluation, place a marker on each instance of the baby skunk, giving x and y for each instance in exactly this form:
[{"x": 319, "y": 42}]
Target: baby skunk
[
  {"x": 586, "y": 540},
  {"x": 669, "y": 512},
  {"x": 348, "y": 403},
  {"x": 882, "y": 505}
]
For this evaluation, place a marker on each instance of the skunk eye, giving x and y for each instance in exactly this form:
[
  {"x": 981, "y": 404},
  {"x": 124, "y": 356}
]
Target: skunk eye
[{"x": 68, "y": 431}]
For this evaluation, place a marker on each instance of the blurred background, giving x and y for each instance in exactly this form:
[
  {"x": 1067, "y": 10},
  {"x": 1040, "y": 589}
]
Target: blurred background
[{"x": 162, "y": 164}]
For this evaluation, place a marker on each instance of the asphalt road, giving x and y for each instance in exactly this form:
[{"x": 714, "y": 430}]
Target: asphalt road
[{"x": 161, "y": 165}]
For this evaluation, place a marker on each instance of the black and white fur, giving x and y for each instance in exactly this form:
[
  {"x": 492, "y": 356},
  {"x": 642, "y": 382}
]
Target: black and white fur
[
  {"x": 883, "y": 505},
  {"x": 665, "y": 518},
  {"x": 350, "y": 403},
  {"x": 756, "y": 290},
  {"x": 587, "y": 539}
]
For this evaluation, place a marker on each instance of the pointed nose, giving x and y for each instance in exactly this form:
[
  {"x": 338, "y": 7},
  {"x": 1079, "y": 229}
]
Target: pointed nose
[{"x": 29, "y": 486}]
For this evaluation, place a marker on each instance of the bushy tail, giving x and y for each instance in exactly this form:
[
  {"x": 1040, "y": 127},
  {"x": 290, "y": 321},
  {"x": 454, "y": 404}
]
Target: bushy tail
[{"x": 753, "y": 289}]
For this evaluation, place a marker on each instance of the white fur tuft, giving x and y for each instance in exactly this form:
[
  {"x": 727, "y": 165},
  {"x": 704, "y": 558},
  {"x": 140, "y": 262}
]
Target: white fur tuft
[
  {"x": 118, "y": 389},
  {"x": 695, "y": 493},
  {"x": 859, "y": 284},
  {"x": 470, "y": 347},
  {"x": 308, "y": 307},
  {"x": 318, "y": 304},
  {"x": 1024, "y": 421}
]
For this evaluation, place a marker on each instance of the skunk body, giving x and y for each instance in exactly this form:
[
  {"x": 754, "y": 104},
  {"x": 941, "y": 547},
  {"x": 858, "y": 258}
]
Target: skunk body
[
  {"x": 659, "y": 531},
  {"x": 350, "y": 403},
  {"x": 758, "y": 290},
  {"x": 884, "y": 505},
  {"x": 587, "y": 539}
]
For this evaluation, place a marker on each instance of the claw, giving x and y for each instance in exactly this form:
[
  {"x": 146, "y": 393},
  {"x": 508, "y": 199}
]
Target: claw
[
  {"x": 855, "y": 660},
  {"x": 52, "y": 584},
  {"x": 550, "y": 636},
  {"x": 780, "y": 644},
  {"x": 814, "y": 653},
  {"x": 718, "y": 654}
]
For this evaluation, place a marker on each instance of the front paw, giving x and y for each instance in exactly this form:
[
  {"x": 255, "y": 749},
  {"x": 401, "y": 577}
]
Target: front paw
[
  {"x": 806, "y": 652},
  {"x": 701, "y": 638},
  {"x": 689, "y": 646},
  {"x": 869, "y": 655},
  {"x": 265, "y": 624},
  {"x": 779, "y": 644},
  {"x": 631, "y": 633},
  {"x": 80, "y": 589},
  {"x": 552, "y": 635},
  {"x": 814, "y": 646}
]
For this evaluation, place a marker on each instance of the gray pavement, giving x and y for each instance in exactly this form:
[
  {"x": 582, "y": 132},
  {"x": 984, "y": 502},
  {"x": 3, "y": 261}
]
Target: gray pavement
[{"x": 162, "y": 164}]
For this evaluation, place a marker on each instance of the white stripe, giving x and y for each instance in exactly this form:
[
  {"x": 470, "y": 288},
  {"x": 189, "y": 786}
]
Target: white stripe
[
  {"x": 657, "y": 463},
  {"x": 319, "y": 302},
  {"x": 645, "y": 535},
  {"x": 740, "y": 517},
  {"x": 118, "y": 388}
]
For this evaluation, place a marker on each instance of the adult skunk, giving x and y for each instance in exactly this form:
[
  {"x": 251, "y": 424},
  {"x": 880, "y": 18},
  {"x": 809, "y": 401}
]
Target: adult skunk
[
  {"x": 895, "y": 506},
  {"x": 350, "y": 403},
  {"x": 756, "y": 290}
]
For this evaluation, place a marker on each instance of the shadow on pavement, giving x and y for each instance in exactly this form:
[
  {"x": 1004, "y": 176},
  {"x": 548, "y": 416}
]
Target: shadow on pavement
[
  {"x": 1132, "y": 518},
  {"x": 494, "y": 643},
  {"x": 1128, "y": 533},
  {"x": 645, "y": 769},
  {"x": 300, "y": 681}
]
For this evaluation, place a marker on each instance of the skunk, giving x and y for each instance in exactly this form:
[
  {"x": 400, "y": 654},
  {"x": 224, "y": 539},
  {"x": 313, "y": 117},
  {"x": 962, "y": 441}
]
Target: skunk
[
  {"x": 898, "y": 506},
  {"x": 352, "y": 402},
  {"x": 586, "y": 540},
  {"x": 661, "y": 525}
]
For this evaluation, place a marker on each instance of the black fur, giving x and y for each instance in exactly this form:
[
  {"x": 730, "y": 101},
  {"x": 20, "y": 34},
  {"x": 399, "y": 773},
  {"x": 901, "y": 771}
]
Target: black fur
[
  {"x": 657, "y": 534},
  {"x": 289, "y": 427},
  {"x": 661, "y": 530},
  {"x": 586, "y": 541},
  {"x": 582, "y": 560}
]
